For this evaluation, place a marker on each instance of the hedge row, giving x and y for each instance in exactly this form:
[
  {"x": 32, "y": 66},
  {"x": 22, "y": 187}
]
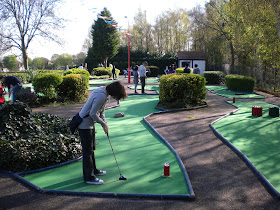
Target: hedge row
[
  {"x": 28, "y": 76},
  {"x": 73, "y": 85},
  {"x": 240, "y": 83},
  {"x": 214, "y": 77},
  {"x": 182, "y": 90}
]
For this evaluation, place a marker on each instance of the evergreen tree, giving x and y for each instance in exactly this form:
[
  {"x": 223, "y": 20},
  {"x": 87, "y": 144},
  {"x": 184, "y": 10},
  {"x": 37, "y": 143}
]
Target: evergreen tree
[{"x": 105, "y": 39}]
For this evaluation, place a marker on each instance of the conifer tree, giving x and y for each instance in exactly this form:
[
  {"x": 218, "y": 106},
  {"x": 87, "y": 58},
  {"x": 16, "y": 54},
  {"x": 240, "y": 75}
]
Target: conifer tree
[{"x": 105, "y": 39}]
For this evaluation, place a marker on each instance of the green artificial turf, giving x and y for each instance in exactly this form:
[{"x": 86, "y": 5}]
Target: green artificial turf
[
  {"x": 223, "y": 91},
  {"x": 255, "y": 137},
  {"x": 139, "y": 152}
]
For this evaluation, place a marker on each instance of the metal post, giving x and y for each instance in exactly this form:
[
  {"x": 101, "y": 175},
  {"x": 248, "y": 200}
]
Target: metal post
[{"x": 129, "y": 73}]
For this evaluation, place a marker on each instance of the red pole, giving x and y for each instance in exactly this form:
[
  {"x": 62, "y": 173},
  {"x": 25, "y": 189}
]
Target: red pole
[{"x": 129, "y": 60}]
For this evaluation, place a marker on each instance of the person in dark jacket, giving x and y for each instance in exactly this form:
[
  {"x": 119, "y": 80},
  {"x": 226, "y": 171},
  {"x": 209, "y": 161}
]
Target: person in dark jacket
[{"x": 13, "y": 84}]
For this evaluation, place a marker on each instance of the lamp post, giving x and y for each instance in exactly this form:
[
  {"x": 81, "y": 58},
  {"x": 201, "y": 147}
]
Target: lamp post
[
  {"x": 129, "y": 70},
  {"x": 128, "y": 50}
]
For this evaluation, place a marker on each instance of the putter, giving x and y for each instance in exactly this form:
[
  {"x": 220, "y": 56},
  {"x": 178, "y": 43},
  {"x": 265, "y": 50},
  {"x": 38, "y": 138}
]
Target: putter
[{"x": 121, "y": 177}]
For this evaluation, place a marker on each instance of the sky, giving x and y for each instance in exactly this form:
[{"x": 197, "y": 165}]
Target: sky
[{"x": 82, "y": 13}]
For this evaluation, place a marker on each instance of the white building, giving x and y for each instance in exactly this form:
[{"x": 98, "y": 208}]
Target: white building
[{"x": 192, "y": 58}]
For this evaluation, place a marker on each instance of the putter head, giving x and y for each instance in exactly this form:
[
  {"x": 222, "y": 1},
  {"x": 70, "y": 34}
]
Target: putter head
[{"x": 122, "y": 178}]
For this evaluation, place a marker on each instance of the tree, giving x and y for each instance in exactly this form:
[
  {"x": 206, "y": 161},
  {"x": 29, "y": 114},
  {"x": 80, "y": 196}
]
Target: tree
[
  {"x": 61, "y": 61},
  {"x": 21, "y": 21},
  {"x": 10, "y": 62},
  {"x": 40, "y": 63},
  {"x": 105, "y": 39},
  {"x": 79, "y": 58}
]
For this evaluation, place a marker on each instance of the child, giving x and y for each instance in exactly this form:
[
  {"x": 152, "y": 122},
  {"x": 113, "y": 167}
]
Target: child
[{"x": 2, "y": 93}]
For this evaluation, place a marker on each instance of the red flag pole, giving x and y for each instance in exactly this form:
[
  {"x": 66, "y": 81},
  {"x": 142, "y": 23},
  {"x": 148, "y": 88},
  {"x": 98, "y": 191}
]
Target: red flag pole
[{"x": 128, "y": 59}]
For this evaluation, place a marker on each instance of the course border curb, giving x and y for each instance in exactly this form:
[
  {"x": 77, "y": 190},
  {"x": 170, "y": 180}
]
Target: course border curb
[{"x": 268, "y": 186}]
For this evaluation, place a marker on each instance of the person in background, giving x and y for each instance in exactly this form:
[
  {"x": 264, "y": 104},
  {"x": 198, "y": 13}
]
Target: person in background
[
  {"x": 114, "y": 72},
  {"x": 142, "y": 73},
  {"x": 2, "y": 93},
  {"x": 135, "y": 78},
  {"x": 196, "y": 69},
  {"x": 172, "y": 70},
  {"x": 187, "y": 69},
  {"x": 94, "y": 112},
  {"x": 125, "y": 73},
  {"x": 166, "y": 70},
  {"x": 14, "y": 85},
  {"x": 81, "y": 66}
]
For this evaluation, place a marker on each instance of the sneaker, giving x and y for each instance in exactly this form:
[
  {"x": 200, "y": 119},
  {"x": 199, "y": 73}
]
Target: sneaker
[
  {"x": 100, "y": 173},
  {"x": 95, "y": 181}
]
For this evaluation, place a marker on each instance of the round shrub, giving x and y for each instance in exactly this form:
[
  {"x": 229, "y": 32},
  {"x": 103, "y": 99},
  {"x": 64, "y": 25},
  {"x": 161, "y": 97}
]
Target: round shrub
[
  {"x": 183, "y": 90},
  {"x": 30, "y": 142},
  {"x": 73, "y": 87},
  {"x": 214, "y": 77},
  {"x": 240, "y": 83},
  {"x": 46, "y": 84},
  {"x": 82, "y": 72}
]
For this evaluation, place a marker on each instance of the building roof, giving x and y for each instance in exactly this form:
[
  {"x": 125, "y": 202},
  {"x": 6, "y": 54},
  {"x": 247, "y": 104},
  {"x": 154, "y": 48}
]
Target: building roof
[{"x": 191, "y": 55}]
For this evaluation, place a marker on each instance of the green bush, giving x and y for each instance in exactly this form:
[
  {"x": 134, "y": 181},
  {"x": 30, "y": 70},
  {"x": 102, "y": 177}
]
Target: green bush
[
  {"x": 74, "y": 87},
  {"x": 101, "y": 71},
  {"x": 46, "y": 84},
  {"x": 184, "y": 90},
  {"x": 214, "y": 77},
  {"x": 23, "y": 76},
  {"x": 240, "y": 83},
  {"x": 25, "y": 95},
  {"x": 30, "y": 142},
  {"x": 83, "y": 72},
  {"x": 153, "y": 71}
]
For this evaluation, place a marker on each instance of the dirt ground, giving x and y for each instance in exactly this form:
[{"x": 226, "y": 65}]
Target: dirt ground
[{"x": 220, "y": 179}]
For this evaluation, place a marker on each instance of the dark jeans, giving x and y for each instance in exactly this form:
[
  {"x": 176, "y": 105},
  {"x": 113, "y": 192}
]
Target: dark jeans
[
  {"x": 88, "y": 146},
  {"x": 15, "y": 89},
  {"x": 143, "y": 80},
  {"x": 114, "y": 75}
]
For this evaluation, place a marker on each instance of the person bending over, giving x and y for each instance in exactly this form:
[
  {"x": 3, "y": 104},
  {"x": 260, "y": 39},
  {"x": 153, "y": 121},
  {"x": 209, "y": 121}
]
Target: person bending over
[{"x": 93, "y": 112}]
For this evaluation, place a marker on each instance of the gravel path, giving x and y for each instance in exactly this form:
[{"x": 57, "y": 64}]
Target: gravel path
[{"x": 220, "y": 179}]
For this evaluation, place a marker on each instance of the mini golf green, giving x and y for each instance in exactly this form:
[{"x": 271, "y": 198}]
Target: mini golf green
[
  {"x": 140, "y": 154},
  {"x": 223, "y": 91},
  {"x": 256, "y": 137}
]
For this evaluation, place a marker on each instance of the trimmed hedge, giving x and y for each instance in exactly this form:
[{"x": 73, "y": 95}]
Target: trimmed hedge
[
  {"x": 214, "y": 77},
  {"x": 101, "y": 71},
  {"x": 73, "y": 87},
  {"x": 183, "y": 90},
  {"x": 30, "y": 142},
  {"x": 83, "y": 72},
  {"x": 240, "y": 83},
  {"x": 46, "y": 83},
  {"x": 153, "y": 71},
  {"x": 28, "y": 76}
]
